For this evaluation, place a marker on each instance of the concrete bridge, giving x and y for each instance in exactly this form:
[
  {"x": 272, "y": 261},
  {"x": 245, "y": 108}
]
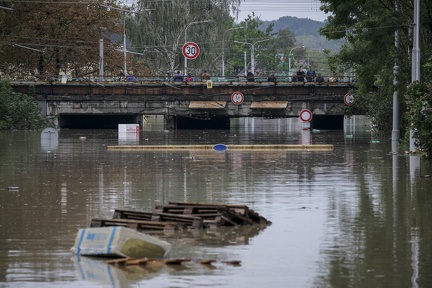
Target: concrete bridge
[{"x": 193, "y": 105}]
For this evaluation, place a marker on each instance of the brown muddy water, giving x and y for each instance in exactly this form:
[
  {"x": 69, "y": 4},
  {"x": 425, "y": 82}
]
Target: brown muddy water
[{"x": 355, "y": 216}]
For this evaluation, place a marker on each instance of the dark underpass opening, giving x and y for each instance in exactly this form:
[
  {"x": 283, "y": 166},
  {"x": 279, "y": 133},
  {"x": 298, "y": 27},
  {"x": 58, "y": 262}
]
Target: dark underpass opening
[{"x": 96, "y": 121}]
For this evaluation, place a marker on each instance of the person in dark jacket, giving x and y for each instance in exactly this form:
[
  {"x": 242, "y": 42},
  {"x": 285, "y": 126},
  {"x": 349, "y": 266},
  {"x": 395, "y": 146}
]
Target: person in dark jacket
[
  {"x": 250, "y": 77},
  {"x": 300, "y": 74},
  {"x": 271, "y": 78}
]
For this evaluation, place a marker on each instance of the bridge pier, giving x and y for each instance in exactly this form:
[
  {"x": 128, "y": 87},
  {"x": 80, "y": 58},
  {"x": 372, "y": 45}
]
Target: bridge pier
[{"x": 170, "y": 122}]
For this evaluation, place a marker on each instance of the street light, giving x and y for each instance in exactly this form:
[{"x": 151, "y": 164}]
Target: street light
[
  {"x": 253, "y": 51},
  {"x": 289, "y": 59},
  {"x": 124, "y": 31},
  {"x": 223, "y": 47},
  {"x": 185, "y": 39}
]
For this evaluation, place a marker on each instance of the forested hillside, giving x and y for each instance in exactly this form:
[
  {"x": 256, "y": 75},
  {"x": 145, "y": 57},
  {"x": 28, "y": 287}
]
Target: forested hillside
[{"x": 306, "y": 31}]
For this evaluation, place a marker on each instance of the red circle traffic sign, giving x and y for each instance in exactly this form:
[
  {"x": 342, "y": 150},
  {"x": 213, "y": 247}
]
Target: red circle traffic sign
[
  {"x": 349, "y": 99},
  {"x": 190, "y": 50},
  {"x": 305, "y": 115},
  {"x": 237, "y": 98}
]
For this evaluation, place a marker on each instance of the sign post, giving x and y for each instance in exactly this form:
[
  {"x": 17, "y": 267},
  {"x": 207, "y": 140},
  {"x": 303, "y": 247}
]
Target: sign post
[{"x": 305, "y": 117}]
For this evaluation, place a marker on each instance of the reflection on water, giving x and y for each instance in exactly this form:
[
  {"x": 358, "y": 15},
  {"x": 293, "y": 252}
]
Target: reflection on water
[{"x": 355, "y": 216}]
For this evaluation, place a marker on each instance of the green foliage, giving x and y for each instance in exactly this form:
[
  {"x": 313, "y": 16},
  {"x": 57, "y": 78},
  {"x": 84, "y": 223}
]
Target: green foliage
[
  {"x": 368, "y": 28},
  {"x": 18, "y": 111},
  {"x": 263, "y": 43},
  {"x": 419, "y": 113},
  {"x": 160, "y": 33}
]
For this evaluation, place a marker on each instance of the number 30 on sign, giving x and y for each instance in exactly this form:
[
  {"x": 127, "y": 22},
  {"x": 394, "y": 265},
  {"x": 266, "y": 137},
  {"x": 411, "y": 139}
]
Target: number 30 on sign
[{"x": 191, "y": 50}]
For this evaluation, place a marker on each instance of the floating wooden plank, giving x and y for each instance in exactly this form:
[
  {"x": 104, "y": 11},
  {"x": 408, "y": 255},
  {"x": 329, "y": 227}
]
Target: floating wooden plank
[
  {"x": 130, "y": 214},
  {"x": 176, "y": 261},
  {"x": 139, "y": 225},
  {"x": 190, "y": 221},
  {"x": 138, "y": 261},
  {"x": 242, "y": 210}
]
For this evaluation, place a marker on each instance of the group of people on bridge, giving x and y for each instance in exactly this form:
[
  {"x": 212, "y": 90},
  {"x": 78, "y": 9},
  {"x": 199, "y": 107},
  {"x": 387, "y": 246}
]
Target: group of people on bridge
[{"x": 299, "y": 76}]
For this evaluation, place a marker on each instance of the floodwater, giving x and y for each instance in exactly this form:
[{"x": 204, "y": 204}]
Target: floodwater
[{"x": 354, "y": 216}]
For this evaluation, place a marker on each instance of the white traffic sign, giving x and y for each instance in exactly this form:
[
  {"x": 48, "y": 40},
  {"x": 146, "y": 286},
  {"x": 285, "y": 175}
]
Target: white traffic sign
[
  {"x": 191, "y": 50},
  {"x": 349, "y": 99},
  {"x": 305, "y": 115},
  {"x": 237, "y": 98}
]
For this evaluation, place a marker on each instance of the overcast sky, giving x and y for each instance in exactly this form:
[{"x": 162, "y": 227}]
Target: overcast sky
[{"x": 274, "y": 9}]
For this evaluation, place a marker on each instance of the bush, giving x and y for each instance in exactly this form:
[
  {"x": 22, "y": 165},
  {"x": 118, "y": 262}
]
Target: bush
[
  {"x": 18, "y": 111},
  {"x": 419, "y": 102}
]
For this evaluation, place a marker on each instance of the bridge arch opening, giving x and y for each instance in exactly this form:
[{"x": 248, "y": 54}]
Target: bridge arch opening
[{"x": 84, "y": 121}]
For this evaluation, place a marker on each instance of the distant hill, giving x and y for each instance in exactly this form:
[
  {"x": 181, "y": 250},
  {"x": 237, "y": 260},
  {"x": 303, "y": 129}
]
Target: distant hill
[{"x": 306, "y": 31}]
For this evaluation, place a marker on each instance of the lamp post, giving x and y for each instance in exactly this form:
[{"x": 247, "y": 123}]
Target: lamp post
[
  {"x": 223, "y": 47},
  {"x": 289, "y": 59},
  {"x": 124, "y": 30},
  {"x": 253, "y": 51},
  {"x": 185, "y": 39}
]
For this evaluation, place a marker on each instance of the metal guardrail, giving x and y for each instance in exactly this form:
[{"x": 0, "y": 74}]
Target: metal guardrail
[{"x": 282, "y": 80}]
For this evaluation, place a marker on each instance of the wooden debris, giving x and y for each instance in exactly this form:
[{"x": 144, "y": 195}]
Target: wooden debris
[
  {"x": 233, "y": 262},
  {"x": 176, "y": 261},
  {"x": 206, "y": 261},
  {"x": 138, "y": 261},
  {"x": 118, "y": 261},
  {"x": 179, "y": 216},
  {"x": 168, "y": 262},
  {"x": 139, "y": 225}
]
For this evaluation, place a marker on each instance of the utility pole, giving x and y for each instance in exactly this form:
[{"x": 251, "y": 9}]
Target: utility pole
[
  {"x": 415, "y": 70},
  {"x": 395, "y": 131},
  {"x": 101, "y": 59}
]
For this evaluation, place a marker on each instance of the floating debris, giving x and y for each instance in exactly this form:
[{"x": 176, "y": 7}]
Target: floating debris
[{"x": 179, "y": 216}]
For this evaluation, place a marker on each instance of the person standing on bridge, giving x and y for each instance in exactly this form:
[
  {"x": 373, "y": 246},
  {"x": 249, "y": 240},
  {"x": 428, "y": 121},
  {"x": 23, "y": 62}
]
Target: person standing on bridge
[
  {"x": 310, "y": 75},
  {"x": 300, "y": 74},
  {"x": 131, "y": 77},
  {"x": 271, "y": 78},
  {"x": 205, "y": 76},
  {"x": 250, "y": 77},
  {"x": 178, "y": 77}
]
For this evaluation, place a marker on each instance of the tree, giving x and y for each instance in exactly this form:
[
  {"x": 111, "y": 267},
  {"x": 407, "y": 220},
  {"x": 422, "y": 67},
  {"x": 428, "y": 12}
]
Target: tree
[
  {"x": 368, "y": 28},
  {"x": 264, "y": 47},
  {"x": 44, "y": 39},
  {"x": 419, "y": 110},
  {"x": 18, "y": 111},
  {"x": 159, "y": 28}
]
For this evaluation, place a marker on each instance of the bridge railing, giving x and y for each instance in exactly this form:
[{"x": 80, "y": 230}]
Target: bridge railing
[{"x": 196, "y": 80}]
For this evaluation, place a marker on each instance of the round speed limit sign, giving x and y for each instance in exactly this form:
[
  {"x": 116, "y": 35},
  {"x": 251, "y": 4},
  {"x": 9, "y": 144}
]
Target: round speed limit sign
[
  {"x": 349, "y": 99},
  {"x": 190, "y": 50},
  {"x": 237, "y": 98}
]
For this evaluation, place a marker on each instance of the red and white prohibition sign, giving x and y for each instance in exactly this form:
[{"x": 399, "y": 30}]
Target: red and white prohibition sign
[
  {"x": 349, "y": 99},
  {"x": 237, "y": 98},
  {"x": 190, "y": 50},
  {"x": 306, "y": 115}
]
